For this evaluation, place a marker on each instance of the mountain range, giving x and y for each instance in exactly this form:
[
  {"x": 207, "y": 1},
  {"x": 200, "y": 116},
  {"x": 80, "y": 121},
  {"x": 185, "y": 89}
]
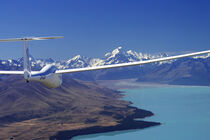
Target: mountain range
[
  {"x": 118, "y": 55},
  {"x": 190, "y": 71}
]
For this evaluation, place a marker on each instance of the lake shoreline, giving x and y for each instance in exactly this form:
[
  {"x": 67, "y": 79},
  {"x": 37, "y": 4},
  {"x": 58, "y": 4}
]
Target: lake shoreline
[
  {"x": 123, "y": 126},
  {"x": 128, "y": 123}
]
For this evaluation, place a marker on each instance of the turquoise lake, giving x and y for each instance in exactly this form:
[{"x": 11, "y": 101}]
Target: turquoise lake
[{"x": 183, "y": 111}]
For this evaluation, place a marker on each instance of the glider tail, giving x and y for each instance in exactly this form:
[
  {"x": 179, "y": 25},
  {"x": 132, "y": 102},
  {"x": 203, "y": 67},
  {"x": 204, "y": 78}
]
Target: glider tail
[{"x": 27, "y": 66}]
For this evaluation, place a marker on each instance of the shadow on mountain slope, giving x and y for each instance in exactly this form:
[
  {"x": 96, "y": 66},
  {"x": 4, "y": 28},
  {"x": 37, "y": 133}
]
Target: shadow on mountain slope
[{"x": 35, "y": 111}]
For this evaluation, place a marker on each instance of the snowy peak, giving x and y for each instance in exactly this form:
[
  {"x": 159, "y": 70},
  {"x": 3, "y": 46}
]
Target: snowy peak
[
  {"x": 118, "y": 55},
  {"x": 117, "y": 51},
  {"x": 78, "y": 61},
  {"x": 133, "y": 53},
  {"x": 77, "y": 57}
]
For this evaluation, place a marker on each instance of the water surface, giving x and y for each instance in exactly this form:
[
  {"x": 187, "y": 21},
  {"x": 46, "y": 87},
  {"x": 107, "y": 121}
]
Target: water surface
[{"x": 184, "y": 112}]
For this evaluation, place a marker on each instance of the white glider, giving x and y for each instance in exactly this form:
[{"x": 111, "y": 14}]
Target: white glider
[{"x": 52, "y": 77}]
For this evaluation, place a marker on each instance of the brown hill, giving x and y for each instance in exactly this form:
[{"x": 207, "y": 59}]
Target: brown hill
[{"x": 32, "y": 111}]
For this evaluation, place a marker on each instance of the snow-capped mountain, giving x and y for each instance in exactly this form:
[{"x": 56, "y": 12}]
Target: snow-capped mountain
[
  {"x": 194, "y": 71},
  {"x": 118, "y": 55},
  {"x": 77, "y": 61}
]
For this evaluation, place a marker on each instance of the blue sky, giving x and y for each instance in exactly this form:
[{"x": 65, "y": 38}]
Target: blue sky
[{"x": 94, "y": 27}]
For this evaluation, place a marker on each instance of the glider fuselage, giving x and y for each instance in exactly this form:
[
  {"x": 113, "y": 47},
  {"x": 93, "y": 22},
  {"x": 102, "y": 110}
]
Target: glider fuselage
[{"x": 47, "y": 76}]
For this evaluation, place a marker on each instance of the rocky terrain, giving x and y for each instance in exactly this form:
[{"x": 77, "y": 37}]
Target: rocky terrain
[{"x": 32, "y": 111}]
